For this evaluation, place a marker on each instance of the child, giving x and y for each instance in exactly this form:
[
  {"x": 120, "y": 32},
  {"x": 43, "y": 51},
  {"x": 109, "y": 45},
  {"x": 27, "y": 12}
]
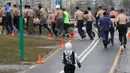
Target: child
[{"x": 70, "y": 58}]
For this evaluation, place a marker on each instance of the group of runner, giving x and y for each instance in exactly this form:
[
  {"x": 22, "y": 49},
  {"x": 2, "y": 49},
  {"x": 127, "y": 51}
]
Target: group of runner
[
  {"x": 107, "y": 22},
  {"x": 9, "y": 19}
]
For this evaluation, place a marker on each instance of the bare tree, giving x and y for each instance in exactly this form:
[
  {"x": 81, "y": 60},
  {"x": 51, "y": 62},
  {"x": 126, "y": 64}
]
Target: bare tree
[
  {"x": 108, "y": 3},
  {"x": 126, "y": 6},
  {"x": 126, "y": 3}
]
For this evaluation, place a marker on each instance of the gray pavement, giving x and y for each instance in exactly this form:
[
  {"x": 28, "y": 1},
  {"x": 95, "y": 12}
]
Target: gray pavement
[
  {"x": 124, "y": 61},
  {"x": 54, "y": 64},
  {"x": 16, "y": 68},
  {"x": 94, "y": 60},
  {"x": 123, "y": 65},
  {"x": 100, "y": 60}
]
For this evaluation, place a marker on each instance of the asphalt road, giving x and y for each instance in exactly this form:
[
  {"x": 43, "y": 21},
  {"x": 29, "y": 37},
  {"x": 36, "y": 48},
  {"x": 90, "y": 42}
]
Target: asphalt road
[
  {"x": 100, "y": 60},
  {"x": 94, "y": 58},
  {"x": 54, "y": 64}
]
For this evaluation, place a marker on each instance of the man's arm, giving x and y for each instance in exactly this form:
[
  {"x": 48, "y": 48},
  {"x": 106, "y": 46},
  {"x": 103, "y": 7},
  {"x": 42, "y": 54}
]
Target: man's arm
[
  {"x": 83, "y": 15},
  {"x": 99, "y": 22},
  {"x": 117, "y": 19},
  {"x": 64, "y": 14},
  {"x": 98, "y": 14},
  {"x": 115, "y": 22},
  {"x": 42, "y": 12},
  {"x": 75, "y": 16},
  {"x": 127, "y": 19},
  {"x": 93, "y": 18}
]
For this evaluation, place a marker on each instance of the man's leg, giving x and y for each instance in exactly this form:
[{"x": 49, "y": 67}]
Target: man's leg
[
  {"x": 57, "y": 28},
  {"x": 104, "y": 38},
  {"x": 53, "y": 29},
  {"x": 99, "y": 32},
  {"x": 106, "y": 34},
  {"x": 62, "y": 31},
  {"x": 124, "y": 35},
  {"x": 46, "y": 26},
  {"x": 3, "y": 24},
  {"x": 17, "y": 23},
  {"x": 92, "y": 33},
  {"x": 89, "y": 30},
  {"x": 66, "y": 29},
  {"x": 112, "y": 36},
  {"x": 30, "y": 25},
  {"x": 0, "y": 29},
  {"x": 120, "y": 36},
  {"x": 10, "y": 22},
  {"x": 89, "y": 34},
  {"x": 40, "y": 29},
  {"x": 80, "y": 30},
  {"x": 125, "y": 38},
  {"x": 7, "y": 25}
]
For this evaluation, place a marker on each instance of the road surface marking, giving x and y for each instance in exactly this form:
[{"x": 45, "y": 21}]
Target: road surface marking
[
  {"x": 32, "y": 66},
  {"x": 92, "y": 48},
  {"x": 87, "y": 49},
  {"x": 93, "y": 45},
  {"x": 115, "y": 61}
]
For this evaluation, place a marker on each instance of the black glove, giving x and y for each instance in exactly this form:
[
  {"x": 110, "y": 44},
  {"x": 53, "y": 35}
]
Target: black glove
[{"x": 79, "y": 65}]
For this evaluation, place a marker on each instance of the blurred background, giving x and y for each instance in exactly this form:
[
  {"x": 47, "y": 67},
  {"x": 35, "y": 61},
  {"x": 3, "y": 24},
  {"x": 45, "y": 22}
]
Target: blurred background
[{"x": 71, "y": 4}]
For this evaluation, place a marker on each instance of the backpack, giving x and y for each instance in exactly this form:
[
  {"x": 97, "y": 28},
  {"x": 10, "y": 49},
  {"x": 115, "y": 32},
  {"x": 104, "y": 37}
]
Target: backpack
[{"x": 69, "y": 59}]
